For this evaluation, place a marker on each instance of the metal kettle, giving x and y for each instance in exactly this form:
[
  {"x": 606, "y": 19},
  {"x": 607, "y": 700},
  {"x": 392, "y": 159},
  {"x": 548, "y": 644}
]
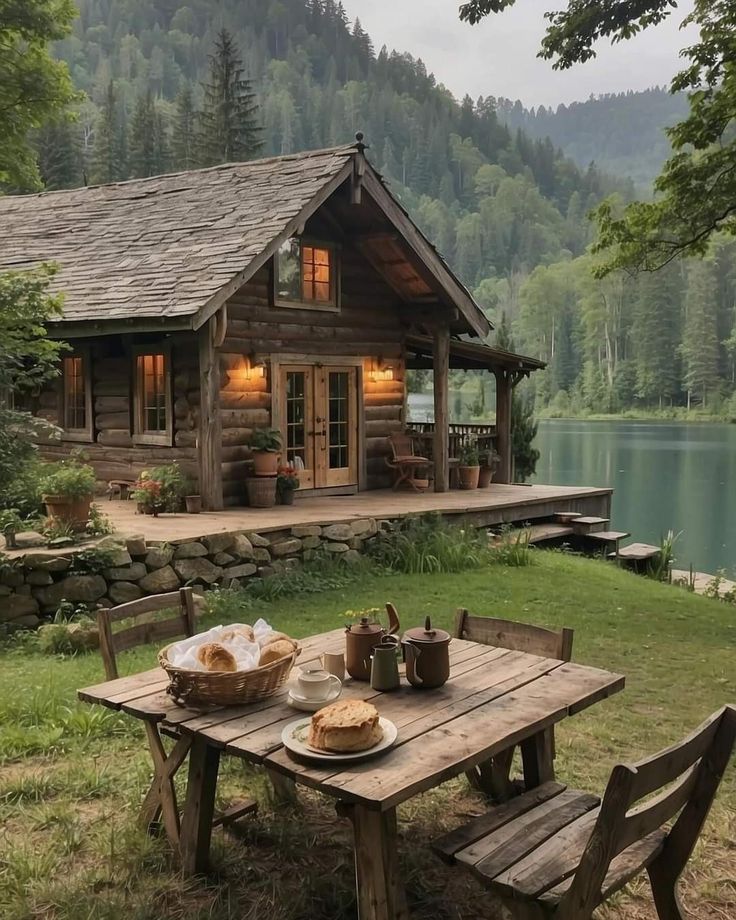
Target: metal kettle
[
  {"x": 427, "y": 656},
  {"x": 360, "y": 640}
]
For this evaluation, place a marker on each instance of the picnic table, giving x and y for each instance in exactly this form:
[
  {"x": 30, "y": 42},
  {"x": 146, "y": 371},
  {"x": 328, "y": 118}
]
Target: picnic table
[{"x": 495, "y": 698}]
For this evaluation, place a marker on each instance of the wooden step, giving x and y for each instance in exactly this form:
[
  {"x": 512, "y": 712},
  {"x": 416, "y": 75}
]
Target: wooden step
[
  {"x": 538, "y": 533},
  {"x": 565, "y": 517},
  {"x": 639, "y": 552},
  {"x": 608, "y": 536},
  {"x": 585, "y": 525}
]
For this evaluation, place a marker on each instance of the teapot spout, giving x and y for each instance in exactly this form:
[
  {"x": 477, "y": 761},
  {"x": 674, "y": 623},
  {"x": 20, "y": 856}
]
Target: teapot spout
[{"x": 393, "y": 619}]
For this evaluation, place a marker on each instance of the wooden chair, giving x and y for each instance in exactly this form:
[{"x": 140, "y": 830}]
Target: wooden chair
[
  {"x": 493, "y": 776},
  {"x": 160, "y": 803},
  {"x": 558, "y": 853},
  {"x": 405, "y": 463},
  {"x": 183, "y": 623}
]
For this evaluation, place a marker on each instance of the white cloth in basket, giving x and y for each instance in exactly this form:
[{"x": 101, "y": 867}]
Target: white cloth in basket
[{"x": 183, "y": 654}]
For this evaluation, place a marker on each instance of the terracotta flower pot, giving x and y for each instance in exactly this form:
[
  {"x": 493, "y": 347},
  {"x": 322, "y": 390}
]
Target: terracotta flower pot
[
  {"x": 193, "y": 503},
  {"x": 261, "y": 491},
  {"x": 468, "y": 476},
  {"x": 265, "y": 462},
  {"x": 484, "y": 477},
  {"x": 68, "y": 511}
]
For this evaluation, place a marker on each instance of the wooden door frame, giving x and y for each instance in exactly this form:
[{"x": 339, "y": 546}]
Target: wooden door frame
[{"x": 278, "y": 359}]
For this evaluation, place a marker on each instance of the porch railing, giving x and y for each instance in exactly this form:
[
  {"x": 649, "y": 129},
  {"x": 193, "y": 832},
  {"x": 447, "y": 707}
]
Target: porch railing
[{"x": 485, "y": 434}]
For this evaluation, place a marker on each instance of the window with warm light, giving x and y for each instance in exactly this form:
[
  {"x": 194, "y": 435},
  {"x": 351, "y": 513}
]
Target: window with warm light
[
  {"x": 152, "y": 398},
  {"x": 305, "y": 275},
  {"x": 76, "y": 403}
]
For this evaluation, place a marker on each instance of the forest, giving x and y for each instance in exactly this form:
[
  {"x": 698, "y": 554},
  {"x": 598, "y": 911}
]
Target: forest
[{"x": 505, "y": 206}]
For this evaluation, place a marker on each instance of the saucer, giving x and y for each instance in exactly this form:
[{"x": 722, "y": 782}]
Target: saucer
[{"x": 298, "y": 701}]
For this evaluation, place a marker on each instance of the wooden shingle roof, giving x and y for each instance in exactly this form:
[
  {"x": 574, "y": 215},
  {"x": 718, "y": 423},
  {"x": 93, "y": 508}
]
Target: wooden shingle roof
[{"x": 161, "y": 248}]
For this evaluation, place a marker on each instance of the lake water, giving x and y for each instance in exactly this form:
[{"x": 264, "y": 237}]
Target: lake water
[{"x": 666, "y": 475}]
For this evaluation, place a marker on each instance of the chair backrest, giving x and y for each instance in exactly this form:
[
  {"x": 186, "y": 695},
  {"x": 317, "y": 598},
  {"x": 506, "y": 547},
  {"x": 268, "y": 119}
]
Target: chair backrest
[
  {"x": 686, "y": 777},
  {"x": 182, "y": 623},
  {"x": 519, "y": 637},
  {"x": 402, "y": 445}
]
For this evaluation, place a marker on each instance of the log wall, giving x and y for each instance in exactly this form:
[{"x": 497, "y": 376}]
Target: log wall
[
  {"x": 113, "y": 453},
  {"x": 368, "y": 325}
]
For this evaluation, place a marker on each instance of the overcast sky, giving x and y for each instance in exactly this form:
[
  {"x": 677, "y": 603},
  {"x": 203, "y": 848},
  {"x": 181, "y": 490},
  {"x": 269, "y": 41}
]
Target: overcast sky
[{"x": 498, "y": 56}]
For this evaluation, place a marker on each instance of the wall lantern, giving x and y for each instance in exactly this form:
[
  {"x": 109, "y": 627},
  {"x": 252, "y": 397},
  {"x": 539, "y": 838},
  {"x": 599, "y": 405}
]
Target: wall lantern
[
  {"x": 248, "y": 369},
  {"x": 381, "y": 371}
]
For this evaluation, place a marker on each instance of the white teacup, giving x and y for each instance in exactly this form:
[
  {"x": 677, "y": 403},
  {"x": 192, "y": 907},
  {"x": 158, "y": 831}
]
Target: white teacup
[{"x": 317, "y": 684}]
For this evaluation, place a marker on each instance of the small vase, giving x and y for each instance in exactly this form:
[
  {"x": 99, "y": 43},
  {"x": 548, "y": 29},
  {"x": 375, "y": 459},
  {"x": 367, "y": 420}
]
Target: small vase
[
  {"x": 193, "y": 503},
  {"x": 484, "y": 477}
]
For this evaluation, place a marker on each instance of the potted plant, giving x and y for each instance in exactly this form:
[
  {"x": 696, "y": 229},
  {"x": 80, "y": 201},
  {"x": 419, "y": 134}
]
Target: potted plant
[
  {"x": 67, "y": 491},
  {"x": 10, "y": 525},
  {"x": 266, "y": 446},
  {"x": 147, "y": 493},
  {"x": 287, "y": 482},
  {"x": 469, "y": 468},
  {"x": 173, "y": 485},
  {"x": 489, "y": 461}
]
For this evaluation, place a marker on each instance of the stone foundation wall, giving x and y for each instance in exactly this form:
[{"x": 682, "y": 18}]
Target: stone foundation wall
[{"x": 33, "y": 585}]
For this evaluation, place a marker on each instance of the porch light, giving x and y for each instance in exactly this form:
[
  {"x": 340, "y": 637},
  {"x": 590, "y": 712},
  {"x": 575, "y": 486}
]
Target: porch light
[
  {"x": 381, "y": 371},
  {"x": 248, "y": 369}
]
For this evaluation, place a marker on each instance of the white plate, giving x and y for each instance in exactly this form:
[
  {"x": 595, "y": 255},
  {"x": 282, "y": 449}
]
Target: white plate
[
  {"x": 294, "y": 738},
  {"x": 301, "y": 702}
]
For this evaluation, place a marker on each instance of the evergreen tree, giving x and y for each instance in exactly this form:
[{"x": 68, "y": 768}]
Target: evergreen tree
[
  {"x": 523, "y": 426},
  {"x": 700, "y": 341},
  {"x": 143, "y": 138},
  {"x": 59, "y": 154},
  {"x": 109, "y": 153},
  {"x": 656, "y": 333},
  {"x": 228, "y": 126},
  {"x": 183, "y": 140}
]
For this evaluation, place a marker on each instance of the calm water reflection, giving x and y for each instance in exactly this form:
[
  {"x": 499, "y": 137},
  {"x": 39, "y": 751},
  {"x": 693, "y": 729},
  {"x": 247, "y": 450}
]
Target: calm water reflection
[{"x": 666, "y": 475}]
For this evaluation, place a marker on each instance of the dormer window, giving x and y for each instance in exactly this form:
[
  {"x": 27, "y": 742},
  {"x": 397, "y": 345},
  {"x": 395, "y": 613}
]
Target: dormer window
[{"x": 305, "y": 275}]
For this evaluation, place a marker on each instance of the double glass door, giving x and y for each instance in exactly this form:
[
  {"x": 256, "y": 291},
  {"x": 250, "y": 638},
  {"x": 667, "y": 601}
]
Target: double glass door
[{"x": 319, "y": 424}]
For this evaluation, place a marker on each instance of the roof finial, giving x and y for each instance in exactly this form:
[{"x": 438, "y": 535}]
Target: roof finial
[{"x": 359, "y": 138}]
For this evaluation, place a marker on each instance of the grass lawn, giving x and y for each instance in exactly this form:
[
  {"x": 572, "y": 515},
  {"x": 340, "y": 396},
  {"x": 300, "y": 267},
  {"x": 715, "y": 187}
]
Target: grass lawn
[{"x": 71, "y": 775}]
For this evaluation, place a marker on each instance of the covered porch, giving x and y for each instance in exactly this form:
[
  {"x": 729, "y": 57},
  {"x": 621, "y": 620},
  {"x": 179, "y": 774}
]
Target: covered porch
[{"x": 440, "y": 353}]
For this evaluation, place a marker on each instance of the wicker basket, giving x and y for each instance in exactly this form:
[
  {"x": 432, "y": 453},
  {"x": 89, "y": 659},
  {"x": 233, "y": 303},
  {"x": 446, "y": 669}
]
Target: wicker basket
[{"x": 226, "y": 688}]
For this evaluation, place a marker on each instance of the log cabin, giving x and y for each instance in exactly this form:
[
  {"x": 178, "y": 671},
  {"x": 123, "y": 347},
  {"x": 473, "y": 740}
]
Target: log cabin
[{"x": 291, "y": 293}]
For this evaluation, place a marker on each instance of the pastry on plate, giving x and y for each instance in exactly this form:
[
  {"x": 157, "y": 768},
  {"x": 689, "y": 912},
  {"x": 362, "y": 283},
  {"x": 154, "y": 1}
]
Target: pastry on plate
[
  {"x": 216, "y": 657},
  {"x": 276, "y": 650},
  {"x": 345, "y": 727}
]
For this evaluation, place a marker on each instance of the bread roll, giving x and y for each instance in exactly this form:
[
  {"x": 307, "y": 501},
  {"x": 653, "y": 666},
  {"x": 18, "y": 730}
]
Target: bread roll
[
  {"x": 244, "y": 631},
  {"x": 276, "y": 637},
  {"x": 345, "y": 726},
  {"x": 276, "y": 650},
  {"x": 216, "y": 657}
]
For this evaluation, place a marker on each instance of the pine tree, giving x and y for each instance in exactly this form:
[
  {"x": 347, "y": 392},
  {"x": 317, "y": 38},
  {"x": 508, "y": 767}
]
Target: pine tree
[
  {"x": 183, "y": 141},
  {"x": 523, "y": 426},
  {"x": 109, "y": 154},
  {"x": 59, "y": 154},
  {"x": 700, "y": 340},
  {"x": 655, "y": 334},
  {"x": 228, "y": 126},
  {"x": 142, "y": 137}
]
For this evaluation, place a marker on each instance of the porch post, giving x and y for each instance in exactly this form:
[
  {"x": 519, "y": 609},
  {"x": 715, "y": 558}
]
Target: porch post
[
  {"x": 504, "y": 392},
  {"x": 441, "y": 373},
  {"x": 210, "y": 422}
]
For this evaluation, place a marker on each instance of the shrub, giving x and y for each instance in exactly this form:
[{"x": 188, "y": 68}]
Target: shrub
[
  {"x": 68, "y": 638},
  {"x": 173, "y": 485},
  {"x": 69, "y": 479},
  {"x": 469, "y": 453},
  {"x": 23, "y": 491},
  {"x": 427, "y": 544},
  {"x": 512, "y": 548}
]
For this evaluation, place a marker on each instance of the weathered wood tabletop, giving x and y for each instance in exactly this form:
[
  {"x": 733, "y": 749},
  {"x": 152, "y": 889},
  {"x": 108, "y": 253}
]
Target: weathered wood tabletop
[{"x": 494, "y": 698}]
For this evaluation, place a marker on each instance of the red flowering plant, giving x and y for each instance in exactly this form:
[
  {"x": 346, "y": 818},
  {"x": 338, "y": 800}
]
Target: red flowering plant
[
  {"x": 287, "y": 479},
  {"x": 147, "y": 492}
]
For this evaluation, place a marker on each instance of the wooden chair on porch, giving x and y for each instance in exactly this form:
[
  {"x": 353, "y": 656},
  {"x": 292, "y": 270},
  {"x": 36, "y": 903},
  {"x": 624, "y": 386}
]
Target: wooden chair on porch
[
  {"x": 406, "y": 464},
  {"x": 557, "y": 853},
  {"x": 160, "y": 802},
  {"x": 493, "y": 776}
]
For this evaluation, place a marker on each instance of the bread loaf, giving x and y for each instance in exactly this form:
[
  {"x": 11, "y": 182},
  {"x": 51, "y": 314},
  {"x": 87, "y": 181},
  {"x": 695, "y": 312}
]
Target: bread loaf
[
  {"x": 345, "y": 727},
  {"x": 216, "y": 657}
]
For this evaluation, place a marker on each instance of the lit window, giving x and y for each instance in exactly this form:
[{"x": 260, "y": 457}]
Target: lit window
[
  {"x": 152, "y": 406},
  {"x": 305, "y": 275},
  {"x": 76, "y": 401}
]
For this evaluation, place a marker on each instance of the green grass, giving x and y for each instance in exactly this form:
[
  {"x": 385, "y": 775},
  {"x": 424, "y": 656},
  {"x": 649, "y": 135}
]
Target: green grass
[{"x": 71, "y": 775}]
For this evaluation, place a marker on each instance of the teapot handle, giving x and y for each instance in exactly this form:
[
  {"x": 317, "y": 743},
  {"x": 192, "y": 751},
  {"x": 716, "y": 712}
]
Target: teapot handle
[
  {"x": 412, "y": 652},
  {"x": 393, "y": 618}
]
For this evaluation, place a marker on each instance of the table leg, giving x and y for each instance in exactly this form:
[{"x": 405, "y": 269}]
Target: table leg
[
  {"x": 160, "y": 800},
  {"x": 537, "y": 755},
  {"x": 199, "y": 807},
  {"x": 283, "y": 788},
  {"x": 378, "y": 884},
  {"x": 493, "y": 777}
]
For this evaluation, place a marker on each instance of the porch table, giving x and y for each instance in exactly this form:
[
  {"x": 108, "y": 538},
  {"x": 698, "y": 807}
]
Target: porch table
[{"x": 495, "y": 698}]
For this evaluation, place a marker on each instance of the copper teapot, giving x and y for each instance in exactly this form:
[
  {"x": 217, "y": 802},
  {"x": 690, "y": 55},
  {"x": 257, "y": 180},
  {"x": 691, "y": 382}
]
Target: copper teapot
[
  {"x": 427, "y": 655},
  {"x": 360, "y": 640}
]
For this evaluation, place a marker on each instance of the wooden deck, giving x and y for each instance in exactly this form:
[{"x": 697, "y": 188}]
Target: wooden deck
[{"x": 482, "y": 507}]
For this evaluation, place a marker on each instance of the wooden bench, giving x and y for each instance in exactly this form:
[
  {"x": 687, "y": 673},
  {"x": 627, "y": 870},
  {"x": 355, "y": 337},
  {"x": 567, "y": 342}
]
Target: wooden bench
[{"x": 555, "y": 852}]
